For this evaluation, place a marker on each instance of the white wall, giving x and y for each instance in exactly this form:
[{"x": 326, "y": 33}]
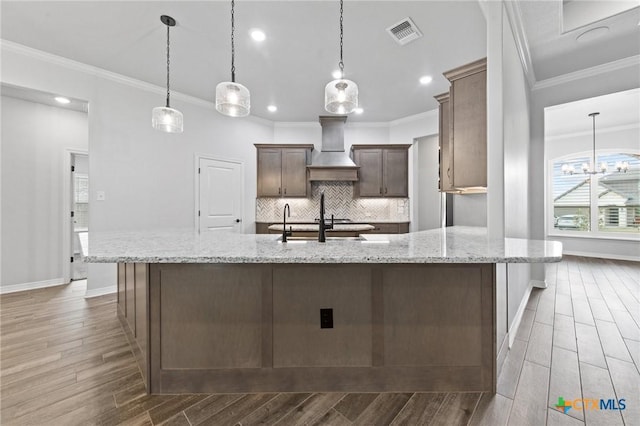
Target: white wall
[
  {"x": 408, "y": 130},
  {"x": 34, "y": 140},
  {"x": 148, "y": 176},
  {"x": 515, "y": 98},
  {"x": 426, "y": 182},
  {"x": 470, "y": 210}
]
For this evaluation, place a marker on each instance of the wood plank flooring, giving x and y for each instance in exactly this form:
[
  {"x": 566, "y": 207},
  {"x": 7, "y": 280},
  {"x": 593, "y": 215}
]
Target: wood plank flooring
[{"x": 64, "y": 360}]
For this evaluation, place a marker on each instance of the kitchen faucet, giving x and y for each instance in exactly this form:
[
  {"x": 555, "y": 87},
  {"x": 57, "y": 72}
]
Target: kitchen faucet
[
  {"x": 322, "y": 226},
  {"x": 285, "y": 233}
]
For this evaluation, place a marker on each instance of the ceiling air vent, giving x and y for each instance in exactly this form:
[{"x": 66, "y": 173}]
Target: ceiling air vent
[{"x": 404, "y": 31}]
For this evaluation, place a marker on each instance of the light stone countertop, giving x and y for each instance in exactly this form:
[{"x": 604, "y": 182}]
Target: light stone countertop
[
  {"x": 448, "y": 245},
  {"x": 338, "y": 227}
]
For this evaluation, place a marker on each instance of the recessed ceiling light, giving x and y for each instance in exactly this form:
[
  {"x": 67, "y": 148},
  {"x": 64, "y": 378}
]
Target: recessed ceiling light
[
  {"x": 336, "y": 74},
  {"x": 272, "y": 108},
  {"x": 358, "y": 110},
  {"x": 258, "y": 35},
  {"x": 62, "y": 100},
  {"x": 426, "y": 79}
]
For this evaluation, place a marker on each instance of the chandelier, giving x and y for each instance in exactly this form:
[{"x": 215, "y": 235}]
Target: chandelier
[{"x": 621, "y": 166}]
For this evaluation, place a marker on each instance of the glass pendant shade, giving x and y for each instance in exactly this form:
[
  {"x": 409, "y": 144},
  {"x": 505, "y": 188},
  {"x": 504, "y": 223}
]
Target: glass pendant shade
[
  {"x": 341, "y": 96},
  {"x": 233, "y": 99},
  {"x": 167, "y": 120}
]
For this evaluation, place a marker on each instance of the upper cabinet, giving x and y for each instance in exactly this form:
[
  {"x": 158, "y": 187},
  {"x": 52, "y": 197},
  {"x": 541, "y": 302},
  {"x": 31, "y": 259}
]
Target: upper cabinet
[
  {"x": 384, "y": 170},
  {"x": 444, "y": 183},
  {"x": 468, "y": 127},
  {"x": 282, "y": 170}
]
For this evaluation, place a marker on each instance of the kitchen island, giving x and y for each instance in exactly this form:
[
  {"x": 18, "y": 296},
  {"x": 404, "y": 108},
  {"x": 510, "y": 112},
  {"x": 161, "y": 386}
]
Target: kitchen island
[{"x": 222, "y": 312}]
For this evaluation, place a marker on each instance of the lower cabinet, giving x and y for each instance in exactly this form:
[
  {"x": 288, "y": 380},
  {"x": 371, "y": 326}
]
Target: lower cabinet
[
  {"x": 389, "y": 228},
  {"x": 238, "y": 328}
]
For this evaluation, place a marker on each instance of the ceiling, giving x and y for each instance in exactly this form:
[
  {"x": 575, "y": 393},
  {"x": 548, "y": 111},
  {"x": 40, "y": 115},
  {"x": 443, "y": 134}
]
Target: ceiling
[
  {"x": 292, "y": 66},
  {"x": 289, "y": 69},
  {"x": 555, "y": 51},
  {"x": 616, "y": 110},
  {"x": 40, "y": 97}
]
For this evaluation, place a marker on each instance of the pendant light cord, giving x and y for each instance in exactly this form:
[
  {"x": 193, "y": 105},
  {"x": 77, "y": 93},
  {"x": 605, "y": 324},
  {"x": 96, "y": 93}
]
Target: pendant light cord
[
  {"x": 341, "y": 63},
  {"x": 594, "y": 143},
  {"x": 233, "y": 48},
  {"x": 168, "y": 62}
]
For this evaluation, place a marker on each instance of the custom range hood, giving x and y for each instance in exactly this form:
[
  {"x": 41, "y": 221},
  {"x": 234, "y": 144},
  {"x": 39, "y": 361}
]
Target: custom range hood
[{"x": 332, "y": 163}]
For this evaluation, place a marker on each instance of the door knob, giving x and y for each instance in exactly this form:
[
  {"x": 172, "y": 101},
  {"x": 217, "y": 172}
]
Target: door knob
[{"x": 238, "y": 221}]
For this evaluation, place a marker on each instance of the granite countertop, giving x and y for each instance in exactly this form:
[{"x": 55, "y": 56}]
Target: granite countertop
[
  {"x": 448, "y": 245},
  {"x": 338, "y": 227}
]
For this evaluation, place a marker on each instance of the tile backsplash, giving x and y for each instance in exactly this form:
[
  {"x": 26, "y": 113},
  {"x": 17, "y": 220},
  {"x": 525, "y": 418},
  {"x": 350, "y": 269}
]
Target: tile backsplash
[{"x": 339, "y": 201}]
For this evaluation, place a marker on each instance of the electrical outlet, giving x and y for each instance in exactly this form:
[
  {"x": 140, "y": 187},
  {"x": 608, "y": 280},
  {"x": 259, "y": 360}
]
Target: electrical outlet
[{"x": 326, "y": 318}]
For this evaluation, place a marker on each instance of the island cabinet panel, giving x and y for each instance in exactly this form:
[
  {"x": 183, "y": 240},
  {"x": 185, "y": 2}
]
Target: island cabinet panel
[
  {"x": 130, "y": 296},
  {"x": 444, "y": 333},
  {"x": 257, "y": 327},
  {"x": 219, "y": 317},
  {"x": 121, "y": 289},
  {"x": 133, "y": 287},
  {"x": 299, "y": 293}
]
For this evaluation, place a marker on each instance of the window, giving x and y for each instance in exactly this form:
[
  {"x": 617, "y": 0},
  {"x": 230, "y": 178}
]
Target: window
[
  {"x": 602, "y": 203},
  {"x": 81, "y": 201}
]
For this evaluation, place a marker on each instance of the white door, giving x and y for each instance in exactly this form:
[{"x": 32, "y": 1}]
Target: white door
[{"x": 220, "y": 205}]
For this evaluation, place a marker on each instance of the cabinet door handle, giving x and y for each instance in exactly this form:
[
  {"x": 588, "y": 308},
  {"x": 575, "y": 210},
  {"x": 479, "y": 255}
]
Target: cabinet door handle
[
  {"x": 385, "y": 190},
  {"x": 285, "y": 191},
  {"x": 380, "y": 190},
  {"x": 449, "y": 172},
  {"x": 279, "y": 191}
]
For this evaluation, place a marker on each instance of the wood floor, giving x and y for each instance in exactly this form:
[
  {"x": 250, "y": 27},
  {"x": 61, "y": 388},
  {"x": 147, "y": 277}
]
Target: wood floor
[{"x": 65, "y": 361}]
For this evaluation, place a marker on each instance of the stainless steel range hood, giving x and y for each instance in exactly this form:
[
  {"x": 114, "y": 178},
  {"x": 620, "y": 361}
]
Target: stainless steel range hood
[{"x": 332, "y": 163}]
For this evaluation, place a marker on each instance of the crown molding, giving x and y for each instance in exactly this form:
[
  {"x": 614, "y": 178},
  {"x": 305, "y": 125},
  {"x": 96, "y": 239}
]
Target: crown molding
[
  {"x": 50, "y": 58},
  {"x": 588, "y": 72},
  {"x": 514, "y": 15},
  {"x": 602, "y": 131}
]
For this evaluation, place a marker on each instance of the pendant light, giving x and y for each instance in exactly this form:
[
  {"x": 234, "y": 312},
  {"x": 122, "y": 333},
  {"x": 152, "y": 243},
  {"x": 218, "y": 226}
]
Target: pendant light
[
  {"x": 341, "y": 95},
  {"x": 233, "y": 98},
  {"x": 167, "y": 119}
]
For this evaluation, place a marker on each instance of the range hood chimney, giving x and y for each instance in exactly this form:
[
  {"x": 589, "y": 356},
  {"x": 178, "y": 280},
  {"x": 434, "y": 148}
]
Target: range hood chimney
[{"x": 332, "y": 163}]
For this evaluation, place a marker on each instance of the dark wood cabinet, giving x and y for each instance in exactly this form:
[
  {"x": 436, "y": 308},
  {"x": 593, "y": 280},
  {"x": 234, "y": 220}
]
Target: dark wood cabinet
[
  {"x": 282, "y": 170},
  {"x": 444, "y": 183},
  {"x": 388, "y": 228},
  {"x": 384, "y": 170},
  {"x": 468, "y": 126}
]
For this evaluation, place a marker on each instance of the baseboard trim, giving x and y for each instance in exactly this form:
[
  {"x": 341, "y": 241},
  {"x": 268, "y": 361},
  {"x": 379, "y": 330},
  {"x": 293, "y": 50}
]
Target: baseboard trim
[
  {"x": 538, "y": 283},
  {"x": 95, "y": 292},
  {"x": 602, "y": 255},
  {"x": 519, "y": 313},
  {"x": 502, "y": 355},
  {"x": 31, "y": 286}
]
